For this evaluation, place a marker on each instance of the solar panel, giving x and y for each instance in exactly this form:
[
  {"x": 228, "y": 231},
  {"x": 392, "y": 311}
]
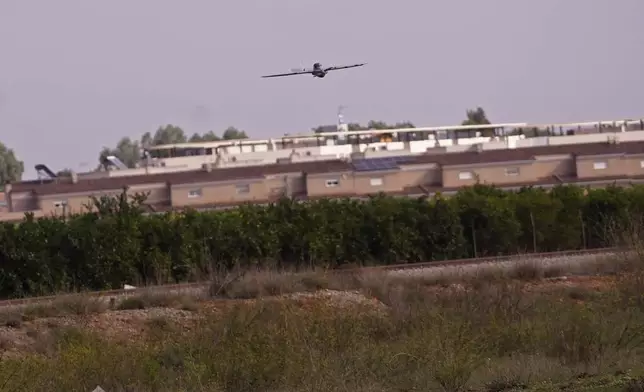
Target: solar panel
[
  {"x": 375, "y": 164},
  {"x": 404, "y": 159}
]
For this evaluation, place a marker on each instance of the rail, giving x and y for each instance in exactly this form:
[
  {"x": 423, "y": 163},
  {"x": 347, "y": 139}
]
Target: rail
[{"x": 392, "y": 267}]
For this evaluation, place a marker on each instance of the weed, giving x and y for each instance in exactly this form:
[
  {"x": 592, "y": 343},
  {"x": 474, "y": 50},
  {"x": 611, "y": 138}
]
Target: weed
[{"x": 132, "y": 303}]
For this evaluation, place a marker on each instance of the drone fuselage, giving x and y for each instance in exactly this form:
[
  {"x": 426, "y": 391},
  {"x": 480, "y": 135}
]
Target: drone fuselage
[{"x": 318, "y": 72}]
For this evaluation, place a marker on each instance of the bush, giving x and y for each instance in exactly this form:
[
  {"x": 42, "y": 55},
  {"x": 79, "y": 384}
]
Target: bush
[{"x": 116, "y": 243}]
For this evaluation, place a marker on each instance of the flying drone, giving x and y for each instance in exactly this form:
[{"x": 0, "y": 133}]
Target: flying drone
[{"x": 317, "y": 71}]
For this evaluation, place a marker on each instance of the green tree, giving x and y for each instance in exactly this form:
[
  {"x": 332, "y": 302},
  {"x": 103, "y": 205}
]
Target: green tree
[
  {"x": 209, "y": 136},
  {"x": 115, "y": 241},
  {"x": 372, "y": 124},
  {"x": 569, "y": 227},
  {"x": 64, "y": 173},
  {"x": 537, "y": 211},
  {"x": 168, "y": 134},
  {"x": 232, "y": 133},
  {"x": 356, "y": 127},
  {"x": 607, "y": 212},
  {"x": 11, "y": 168},
  {"x": 127, "y": 150},
  {"x": 478, "y": 117},
  {"x": 489, "y": 221}
]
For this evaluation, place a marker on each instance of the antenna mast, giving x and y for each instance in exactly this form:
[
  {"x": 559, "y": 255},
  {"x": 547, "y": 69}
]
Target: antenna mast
[{"x": 342, "y": 125}]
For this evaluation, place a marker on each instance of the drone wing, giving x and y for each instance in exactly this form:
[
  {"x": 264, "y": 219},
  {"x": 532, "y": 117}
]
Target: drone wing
[
  {"x": 294, "y": 71},
  {"x": 343, "y": 67}
]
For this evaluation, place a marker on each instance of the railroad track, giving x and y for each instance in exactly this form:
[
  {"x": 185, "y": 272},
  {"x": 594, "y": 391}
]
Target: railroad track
[
  {"x": 183, "y": 287},
  {"x": 483, "y": 260}
]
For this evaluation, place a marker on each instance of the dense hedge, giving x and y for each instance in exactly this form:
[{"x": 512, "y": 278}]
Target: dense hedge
[{"x": 117, "y": 243}]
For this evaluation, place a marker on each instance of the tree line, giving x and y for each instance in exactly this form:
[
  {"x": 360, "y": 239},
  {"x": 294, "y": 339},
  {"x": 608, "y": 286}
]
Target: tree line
[
  {"x": 116, "y": 242},
  {"x": 475, "y": 116},
  {"x": 128, "y": 150}
]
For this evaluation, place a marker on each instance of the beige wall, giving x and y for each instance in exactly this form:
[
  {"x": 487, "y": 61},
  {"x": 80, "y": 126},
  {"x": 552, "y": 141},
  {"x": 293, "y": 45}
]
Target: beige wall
[
  {"x": 297, "y": 185},
  {"x": 230, "y": 192},
  {"x": 634, "y": 164},
  {"x": 157, "y": 193},
  {"x": 59, "y": 204},
  {"x": 609, "y": 166},
  {"x": 507, "y": 172},
  {"x": 4, "y": 203},
  {"x": 72, "y": 203},
  {"x": 347, "y": 182},
  {"x": 360, "y": 183},
  {"x": 377, "y": 181},
  {"x": 504, "y": 173},
  {"x": 329, "y": 184},
  {"x": 18, "y": 216},
  {"x": 562, "y": 166},
  {"x": 431, "y": 175},
  {"x": 22, "y": 201},
  {"x": 276, "y": 186}
]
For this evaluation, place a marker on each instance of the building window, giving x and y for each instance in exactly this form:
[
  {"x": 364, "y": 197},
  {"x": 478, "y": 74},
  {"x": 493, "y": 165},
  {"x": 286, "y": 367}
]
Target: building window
[
  {"x": 512, "y": 171},
  {"x": 599, "y": 165},
  {"x": 642, "y": 164},
  {"x": 242, "y": 189},
  {"x": 60, "y": 203},
  {"x": 194, "y": 193},
  {"x": 465, "y": 175},
  {"x": 376, "y": 181},
  {"x": 332, "y": 183}
]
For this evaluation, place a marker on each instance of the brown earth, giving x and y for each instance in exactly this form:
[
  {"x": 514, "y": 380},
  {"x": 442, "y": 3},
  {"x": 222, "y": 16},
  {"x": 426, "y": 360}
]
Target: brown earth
[{"x": 123, "y": 325}]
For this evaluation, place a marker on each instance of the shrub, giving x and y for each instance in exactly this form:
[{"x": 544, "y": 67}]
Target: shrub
[{"x": 115, "y": 243}]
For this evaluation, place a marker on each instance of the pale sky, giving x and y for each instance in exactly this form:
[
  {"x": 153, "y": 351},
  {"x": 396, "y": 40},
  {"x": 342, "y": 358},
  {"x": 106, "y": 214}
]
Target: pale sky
[{"x": 77, "y": 74}]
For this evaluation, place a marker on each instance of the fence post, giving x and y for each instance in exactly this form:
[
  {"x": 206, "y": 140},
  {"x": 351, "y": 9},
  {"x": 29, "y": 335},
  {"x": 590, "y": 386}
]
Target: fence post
[
  {"x": 534, "y": 233},
  {"x": 474, "y": 240},
  {"x": 583, "y": 229}
]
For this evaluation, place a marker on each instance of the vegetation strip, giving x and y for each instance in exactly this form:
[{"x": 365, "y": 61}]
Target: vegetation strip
[
  {"x": 198, "y": 285},
  {"x": 116, "y": 244}
]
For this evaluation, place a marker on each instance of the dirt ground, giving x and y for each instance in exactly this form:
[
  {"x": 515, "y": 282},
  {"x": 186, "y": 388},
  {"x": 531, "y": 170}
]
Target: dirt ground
[{"x": 34, "y": 335}]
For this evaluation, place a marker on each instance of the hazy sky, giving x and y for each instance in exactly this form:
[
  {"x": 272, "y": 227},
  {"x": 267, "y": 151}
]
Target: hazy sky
[{"x": 77, "y": 74}]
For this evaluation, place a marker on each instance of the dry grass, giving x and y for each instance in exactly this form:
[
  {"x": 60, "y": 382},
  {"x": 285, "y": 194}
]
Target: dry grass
[
  {"x": 376, "y": 282},
  {"x": 372, "y": 282},
  {"x": 70, "y": 305},
  {"x": 151, "y": 299},
  {"x": 488, "y": 338},
  {"x": 483, "y": 329}
]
